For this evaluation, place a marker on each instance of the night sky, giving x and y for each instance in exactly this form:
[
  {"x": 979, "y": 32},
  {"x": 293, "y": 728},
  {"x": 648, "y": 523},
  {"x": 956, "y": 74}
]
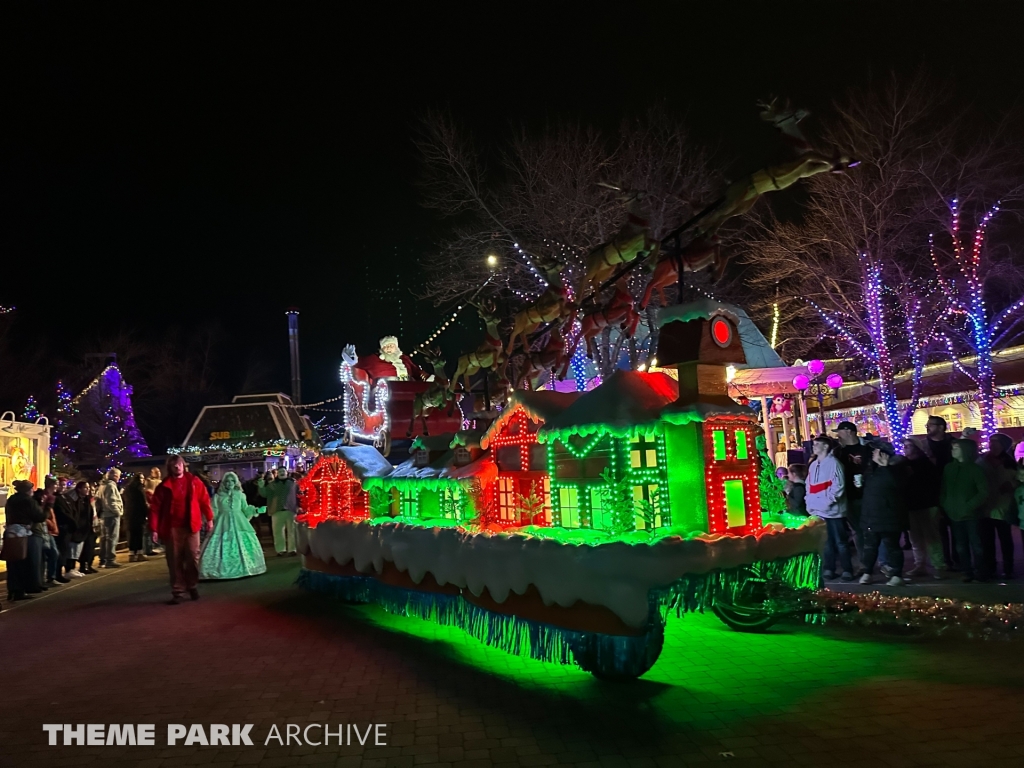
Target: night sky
[{"x": 168, "y": 165}]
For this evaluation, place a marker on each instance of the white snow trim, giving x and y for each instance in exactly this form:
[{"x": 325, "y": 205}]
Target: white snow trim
[
  {"x": 616, "y": 575},
  {"x": 701, "y": 309},
  {"x": 364, "y": 460}
]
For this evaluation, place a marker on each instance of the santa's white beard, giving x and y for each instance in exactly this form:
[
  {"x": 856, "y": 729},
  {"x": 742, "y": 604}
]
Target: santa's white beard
[{"x": 396, "y": 360}]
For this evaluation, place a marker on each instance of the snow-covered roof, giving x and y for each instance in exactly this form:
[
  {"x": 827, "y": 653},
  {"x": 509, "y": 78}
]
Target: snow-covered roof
[
  {"x": 758, "y": 351},
  {"x": 469, "y": 438},
  {"x": 684, "y": 413},
  {"x": 363, "y": 460},
  {"x": 441, "y": 468},
  {"x": 249, "y": 419},
  {"x": 625, "y": 400},
  {"x": 432, "y": 443},
  {"x": 541, "y": 406},
  {"x": 701, "y": 309}
]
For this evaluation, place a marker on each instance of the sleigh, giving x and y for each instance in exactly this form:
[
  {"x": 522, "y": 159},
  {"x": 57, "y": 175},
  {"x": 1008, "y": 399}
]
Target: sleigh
[{"x": 378, "y": 411}]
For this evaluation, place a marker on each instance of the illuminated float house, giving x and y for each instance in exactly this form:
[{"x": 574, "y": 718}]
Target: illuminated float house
[
  {"x": 333, "y": 488},
  {"x": 522, "y": 489},
  {"x": 709, "y": 439},
  {"x": 606, "y": 454},
  {"x": 648, "y": 450},
  {"x": 447, "y": 478}
]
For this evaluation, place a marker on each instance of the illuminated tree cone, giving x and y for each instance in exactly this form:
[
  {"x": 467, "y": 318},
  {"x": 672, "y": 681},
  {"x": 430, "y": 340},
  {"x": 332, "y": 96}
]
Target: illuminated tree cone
[{"x": 99, "y": 428}]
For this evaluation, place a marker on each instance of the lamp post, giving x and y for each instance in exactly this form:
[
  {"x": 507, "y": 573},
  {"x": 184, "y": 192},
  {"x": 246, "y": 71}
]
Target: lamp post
[{"x": 815, "y": 385}]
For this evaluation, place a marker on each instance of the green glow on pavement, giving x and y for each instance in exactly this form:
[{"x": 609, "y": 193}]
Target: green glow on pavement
[{"x": 694, "y": 681}]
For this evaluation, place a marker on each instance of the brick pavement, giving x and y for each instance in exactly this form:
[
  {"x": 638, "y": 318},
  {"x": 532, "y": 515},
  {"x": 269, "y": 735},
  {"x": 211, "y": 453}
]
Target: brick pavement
[{"x": 258, "y": 651}]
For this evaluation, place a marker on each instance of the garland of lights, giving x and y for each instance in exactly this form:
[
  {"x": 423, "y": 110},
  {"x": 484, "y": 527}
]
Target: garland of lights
[{"x": 239, "y": 447}]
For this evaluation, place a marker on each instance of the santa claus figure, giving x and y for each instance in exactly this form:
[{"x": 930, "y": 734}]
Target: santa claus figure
[{"x": 390, "y": 363}]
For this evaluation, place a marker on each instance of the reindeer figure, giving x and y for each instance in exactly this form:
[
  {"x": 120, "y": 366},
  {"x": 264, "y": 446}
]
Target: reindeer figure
[
  {"x": 550, "y": 357},
  {"x": 631, "y": 241},
  {"x": 741, "y": 195},
  {"x": 618, "y": 311},
  {"x": 698, "y": 255},
  {"x": 435, "y": 397},
  {"x": 550, "y": 306},
  {"x": 489, "y": 355}
]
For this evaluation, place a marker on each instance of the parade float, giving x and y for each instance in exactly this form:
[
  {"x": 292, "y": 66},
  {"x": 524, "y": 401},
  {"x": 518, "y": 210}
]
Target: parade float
[
  {"x": 572, "y": 525},
  {"x": 578, "y": 522}
]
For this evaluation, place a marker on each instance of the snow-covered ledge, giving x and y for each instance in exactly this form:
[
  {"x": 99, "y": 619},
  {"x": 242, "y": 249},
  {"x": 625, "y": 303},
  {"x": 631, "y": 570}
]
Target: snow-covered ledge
[{"x": 616, "y": 575}]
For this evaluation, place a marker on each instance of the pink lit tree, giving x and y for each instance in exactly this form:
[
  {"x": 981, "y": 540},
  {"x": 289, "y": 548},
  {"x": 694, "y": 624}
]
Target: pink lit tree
[{"x": 970, "y": 320}]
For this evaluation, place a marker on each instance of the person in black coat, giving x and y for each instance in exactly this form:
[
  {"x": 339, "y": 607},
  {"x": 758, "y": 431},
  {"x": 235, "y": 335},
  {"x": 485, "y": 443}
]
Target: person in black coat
[
  {"x": 923, "y": 483},
  {"x": 136, "y": 512},
  {"x": 23, "y": 510},
  {"x": 884, "y": 513}
]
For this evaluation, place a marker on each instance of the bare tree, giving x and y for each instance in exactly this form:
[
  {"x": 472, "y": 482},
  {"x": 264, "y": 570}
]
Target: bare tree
[
  {"x": 546, "y": 197},
  {"x": 916, "y": 149}
]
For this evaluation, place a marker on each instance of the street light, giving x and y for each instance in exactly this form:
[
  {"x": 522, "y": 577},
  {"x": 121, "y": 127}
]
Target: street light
[
  {"x": 813, "y": 385},
  {"x": 492, "y": 260}
]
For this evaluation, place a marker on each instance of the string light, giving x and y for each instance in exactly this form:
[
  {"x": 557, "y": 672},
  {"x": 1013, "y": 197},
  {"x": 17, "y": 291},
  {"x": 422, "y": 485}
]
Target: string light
[
  {"x": 968, "y": 301},
  {"x": 330, "y": 491},
  {"x": 358, "y": 414},
  {"x": 239, "y": 446},
  {"x": 775, "y": 325},
  {"x": 731, "y": 461}
]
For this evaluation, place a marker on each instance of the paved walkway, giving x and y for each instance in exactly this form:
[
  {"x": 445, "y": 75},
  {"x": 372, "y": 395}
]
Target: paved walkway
[{"x": 106, "y": 650}]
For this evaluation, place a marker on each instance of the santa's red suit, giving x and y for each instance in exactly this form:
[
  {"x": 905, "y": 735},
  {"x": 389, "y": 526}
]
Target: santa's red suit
[{"x": 377, "y": 367}]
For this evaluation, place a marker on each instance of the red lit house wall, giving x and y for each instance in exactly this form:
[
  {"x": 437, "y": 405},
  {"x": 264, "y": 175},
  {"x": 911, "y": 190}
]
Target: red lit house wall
[
  {"x": 732, "y": 481},
  {"x": 331, "y": 492}
]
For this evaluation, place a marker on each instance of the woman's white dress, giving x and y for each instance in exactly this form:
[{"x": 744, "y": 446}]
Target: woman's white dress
[{"x": 232, "y": 550}]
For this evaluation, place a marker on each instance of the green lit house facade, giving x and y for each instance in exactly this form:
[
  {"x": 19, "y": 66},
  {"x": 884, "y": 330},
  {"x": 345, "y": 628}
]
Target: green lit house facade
[{"x": 579, "y": 466}]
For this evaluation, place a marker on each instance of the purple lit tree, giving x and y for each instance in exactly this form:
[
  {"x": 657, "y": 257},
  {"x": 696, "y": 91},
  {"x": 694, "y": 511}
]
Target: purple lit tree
[
  {"x": 101, "y": 429},
  {"x": 969, "y": 319},
  {"x": 893, "y": 335}
]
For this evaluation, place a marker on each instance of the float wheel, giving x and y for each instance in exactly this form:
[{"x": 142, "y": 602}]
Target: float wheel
[
  {"x": 744, "y": 619},
  {"x": 616, "y": 658}
]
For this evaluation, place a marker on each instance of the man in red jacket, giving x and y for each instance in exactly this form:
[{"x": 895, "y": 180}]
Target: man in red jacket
[{"x": 180, "y": 508}]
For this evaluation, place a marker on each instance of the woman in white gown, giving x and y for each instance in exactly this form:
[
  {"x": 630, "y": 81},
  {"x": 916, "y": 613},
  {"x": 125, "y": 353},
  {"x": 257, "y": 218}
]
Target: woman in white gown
[{"x": 232, "y": 550}]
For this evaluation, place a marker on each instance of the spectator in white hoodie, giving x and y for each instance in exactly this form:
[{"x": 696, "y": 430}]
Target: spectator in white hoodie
[
  {"x": 111, "y": 509},
  {"x": 826, "y": 498}
]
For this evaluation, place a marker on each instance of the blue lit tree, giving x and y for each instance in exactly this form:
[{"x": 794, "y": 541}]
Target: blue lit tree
[
  {"x": 970, "y": 319},
  {"x": 61, "y": 438}
]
